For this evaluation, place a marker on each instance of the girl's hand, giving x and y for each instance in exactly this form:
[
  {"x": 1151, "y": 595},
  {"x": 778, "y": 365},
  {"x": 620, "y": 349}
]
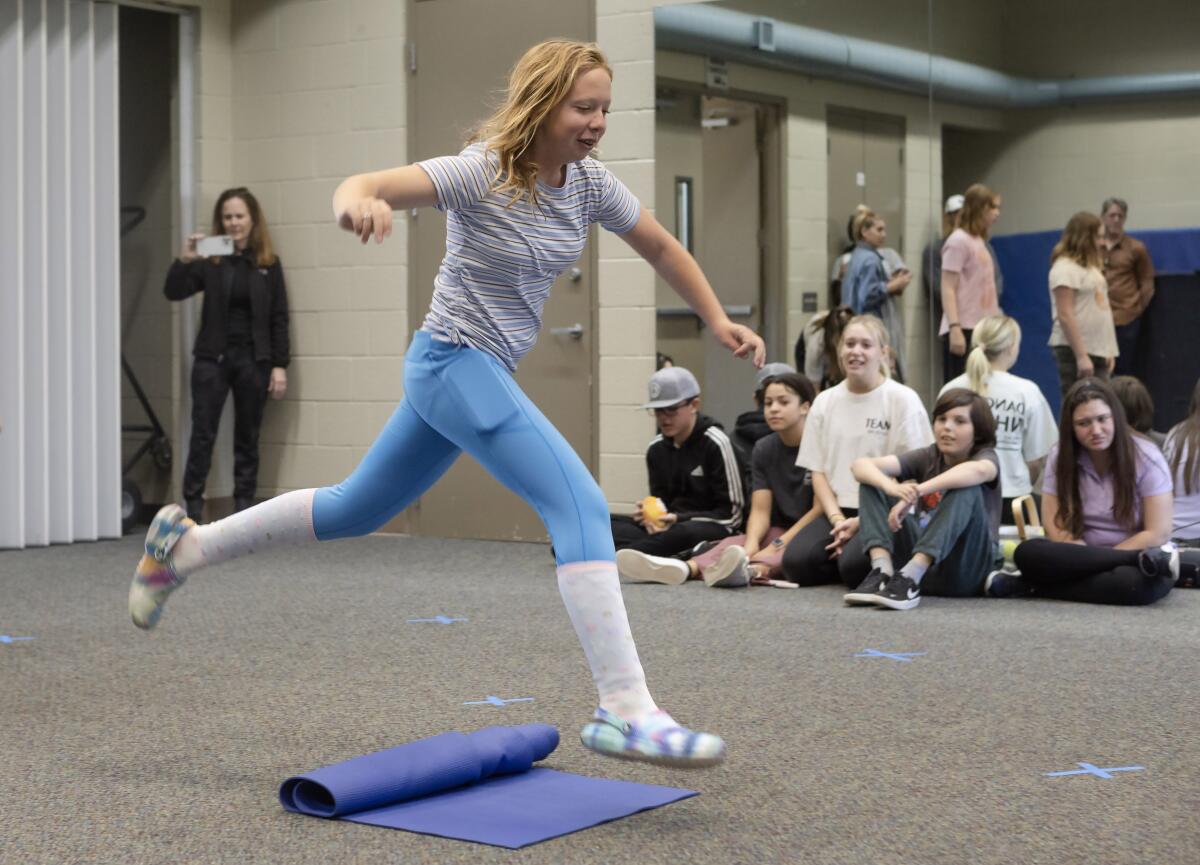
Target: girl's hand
[
  {"x": 367, "y": 217},
  {"x": 742, "y": 341},
  {"x": 958, "y": 342},
  {"x": 905, "y": 492},
  {"x": 1111, "y": 363},
  {"x": 277, "y": 386},
  {"x": 189, "y": 254},
  {"x": 897, "y": 514},
  {"x": 1084, "y": 366},
  {"x": 842, "y": 532}
]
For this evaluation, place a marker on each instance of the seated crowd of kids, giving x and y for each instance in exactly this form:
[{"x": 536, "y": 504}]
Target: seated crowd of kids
[{"x": 856, "y": 484}]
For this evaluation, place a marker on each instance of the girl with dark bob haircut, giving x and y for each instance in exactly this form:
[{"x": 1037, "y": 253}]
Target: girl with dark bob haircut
[
  {"x": 1106, "y": 506},
  {"x": 936, "y": 508}
]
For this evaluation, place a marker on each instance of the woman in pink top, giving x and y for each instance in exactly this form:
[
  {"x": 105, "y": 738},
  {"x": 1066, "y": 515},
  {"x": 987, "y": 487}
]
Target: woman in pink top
[
  {"x": 1106, "y": 506},
  {"x": 968, "y": 277}
]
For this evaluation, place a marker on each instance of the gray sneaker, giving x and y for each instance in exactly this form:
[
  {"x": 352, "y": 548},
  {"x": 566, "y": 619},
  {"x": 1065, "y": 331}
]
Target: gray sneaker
[{"x": 731, "y": 571}]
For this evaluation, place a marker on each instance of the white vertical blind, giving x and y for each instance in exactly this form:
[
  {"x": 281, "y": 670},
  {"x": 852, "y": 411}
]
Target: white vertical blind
[{"x": 60, "y": 459}]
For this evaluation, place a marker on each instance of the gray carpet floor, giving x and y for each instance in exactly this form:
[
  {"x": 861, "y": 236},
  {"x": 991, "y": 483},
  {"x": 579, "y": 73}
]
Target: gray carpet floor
[{"x": 126, "y": 747}]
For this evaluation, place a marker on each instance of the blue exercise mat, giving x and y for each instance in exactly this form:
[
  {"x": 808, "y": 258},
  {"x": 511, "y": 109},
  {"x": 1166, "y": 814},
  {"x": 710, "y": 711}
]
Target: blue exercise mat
[{"x": 477, "y": 786}]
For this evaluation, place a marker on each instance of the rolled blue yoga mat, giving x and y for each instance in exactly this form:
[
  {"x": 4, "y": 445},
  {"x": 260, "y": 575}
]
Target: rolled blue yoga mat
[{"x": 471, "y": 786}]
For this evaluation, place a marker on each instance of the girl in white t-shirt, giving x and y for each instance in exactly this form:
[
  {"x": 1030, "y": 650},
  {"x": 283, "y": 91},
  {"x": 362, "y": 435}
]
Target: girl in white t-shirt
[
  {"x": 1083, "y": 338},
  {"x": 1025, "y": 425},
  {"x": 866, "y": 415}
]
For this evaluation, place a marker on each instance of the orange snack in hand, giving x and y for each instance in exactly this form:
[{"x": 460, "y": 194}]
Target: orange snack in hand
[{"x": 653, "y": 511}]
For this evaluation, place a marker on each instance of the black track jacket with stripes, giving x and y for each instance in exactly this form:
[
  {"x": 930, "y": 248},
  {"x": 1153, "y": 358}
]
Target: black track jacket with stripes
[{"x": 699, "y": 480}]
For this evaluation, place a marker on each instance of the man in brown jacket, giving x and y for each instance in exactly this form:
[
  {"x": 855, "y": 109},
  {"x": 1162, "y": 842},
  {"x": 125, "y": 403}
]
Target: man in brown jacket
[{"x": 1130, "y": 275}]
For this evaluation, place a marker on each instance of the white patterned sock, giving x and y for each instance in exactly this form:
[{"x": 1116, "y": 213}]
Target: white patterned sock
[
  {"x": 285, "y": 520},
  {"x": 592, "y": 593}
]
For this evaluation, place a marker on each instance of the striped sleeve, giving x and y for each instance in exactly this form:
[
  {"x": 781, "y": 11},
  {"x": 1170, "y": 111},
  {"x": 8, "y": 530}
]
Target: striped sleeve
[
  {"x": 617, "y": 209},
  {"x": 462, "y": 180}
]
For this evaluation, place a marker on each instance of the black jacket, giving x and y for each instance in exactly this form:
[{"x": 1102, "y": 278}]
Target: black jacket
[
  {"x": 700, "y": 479},
  {"x": 268, "y": 305}
]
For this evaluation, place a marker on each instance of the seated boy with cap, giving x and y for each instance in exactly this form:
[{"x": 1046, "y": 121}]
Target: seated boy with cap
[{"x": 692, "y": 471}]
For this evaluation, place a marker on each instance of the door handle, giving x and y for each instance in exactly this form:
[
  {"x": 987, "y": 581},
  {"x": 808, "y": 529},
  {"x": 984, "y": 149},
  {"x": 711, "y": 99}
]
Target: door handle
[
  {"x": 575, "y": 331},
  {"x": 574, "y": 274}
]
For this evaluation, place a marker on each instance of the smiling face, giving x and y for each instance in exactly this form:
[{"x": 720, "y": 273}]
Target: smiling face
[
  {"x": 782, "y": 407},
  {"x": 575, "y": 125},
  {"x": 861, "y": 354},
  {"x": 236, "y": 221},
  {"x": 954, "y": 433},
  {"x": 1093, "y": 425}
]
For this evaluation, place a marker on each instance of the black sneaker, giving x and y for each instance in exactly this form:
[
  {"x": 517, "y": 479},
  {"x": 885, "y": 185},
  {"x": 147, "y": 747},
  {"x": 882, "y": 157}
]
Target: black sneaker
[
  {"x": 899, "y": 593},
  {"x": 1160, "y": 561},
  {"x": 866, "y": 593},
  {"x": 1189, "y": 568},
  {"x": 1006, "y": 584}
]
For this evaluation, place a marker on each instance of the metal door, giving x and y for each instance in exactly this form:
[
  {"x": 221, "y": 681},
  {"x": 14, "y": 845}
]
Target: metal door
[
  {"x": 866, "y": 166},
  {"x": 461, "y": 53}
]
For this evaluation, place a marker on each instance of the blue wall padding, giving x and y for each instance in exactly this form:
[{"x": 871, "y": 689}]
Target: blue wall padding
[
  {"x": 1024, "y": 260},
  {"x": 479, "y": 787}
]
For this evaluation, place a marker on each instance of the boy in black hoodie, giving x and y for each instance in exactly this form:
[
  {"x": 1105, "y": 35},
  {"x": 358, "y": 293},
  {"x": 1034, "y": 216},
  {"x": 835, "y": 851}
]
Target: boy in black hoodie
[{"x": 692, "y": 470}]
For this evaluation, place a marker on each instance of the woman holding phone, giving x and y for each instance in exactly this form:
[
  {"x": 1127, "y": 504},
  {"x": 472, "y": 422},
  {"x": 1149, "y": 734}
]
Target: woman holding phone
[{"x": 242, "y": 345}]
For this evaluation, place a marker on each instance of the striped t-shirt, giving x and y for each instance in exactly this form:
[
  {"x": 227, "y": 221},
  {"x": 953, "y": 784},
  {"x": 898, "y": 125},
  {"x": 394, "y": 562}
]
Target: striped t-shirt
[{"x": 501, "y": 260}]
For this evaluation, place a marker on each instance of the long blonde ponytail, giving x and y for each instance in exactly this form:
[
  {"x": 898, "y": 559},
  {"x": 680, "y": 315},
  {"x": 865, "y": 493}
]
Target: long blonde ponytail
[{"x": 992, "y": 337}]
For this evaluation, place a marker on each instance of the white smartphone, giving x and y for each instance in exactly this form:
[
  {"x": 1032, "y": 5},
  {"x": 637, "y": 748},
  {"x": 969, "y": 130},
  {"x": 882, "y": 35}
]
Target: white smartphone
[{"x": 221, "y": 244}]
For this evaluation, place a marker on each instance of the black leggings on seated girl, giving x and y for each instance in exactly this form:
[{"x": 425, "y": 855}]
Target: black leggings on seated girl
[
  {"x": 958, "y": 538},
  {"x": 1094, "y": 575}
]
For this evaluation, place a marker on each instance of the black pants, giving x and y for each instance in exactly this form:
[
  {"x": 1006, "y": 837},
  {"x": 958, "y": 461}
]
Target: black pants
[
  {"x": 806, "y": 562},
  {"x": 1091, "y": 575},
  {"x": 679, "y": 538},
  {"x": 212, "y": 380},
  {"x": 954, "y": 365}
]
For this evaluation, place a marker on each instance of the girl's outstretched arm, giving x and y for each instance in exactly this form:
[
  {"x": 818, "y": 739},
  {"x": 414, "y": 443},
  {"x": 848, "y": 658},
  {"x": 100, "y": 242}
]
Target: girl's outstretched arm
[
  {"x": 364, "y": 203},
  {"x": 677, "y": 266}
]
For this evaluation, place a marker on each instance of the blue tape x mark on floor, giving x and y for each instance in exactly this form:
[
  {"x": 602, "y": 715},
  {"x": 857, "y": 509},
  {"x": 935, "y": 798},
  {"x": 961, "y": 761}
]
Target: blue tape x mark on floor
[{"x": 479, "y": 786}]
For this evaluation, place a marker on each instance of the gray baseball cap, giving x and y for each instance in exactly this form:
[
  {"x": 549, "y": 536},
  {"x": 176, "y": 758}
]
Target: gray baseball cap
[
  {"x": 770, "y": 370},
  {"x": 671, "y": 385}
]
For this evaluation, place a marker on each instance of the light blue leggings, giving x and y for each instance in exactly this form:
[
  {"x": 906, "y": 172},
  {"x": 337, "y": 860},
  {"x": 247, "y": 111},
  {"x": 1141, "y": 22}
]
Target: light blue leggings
[{"x": 462, "y": 399}]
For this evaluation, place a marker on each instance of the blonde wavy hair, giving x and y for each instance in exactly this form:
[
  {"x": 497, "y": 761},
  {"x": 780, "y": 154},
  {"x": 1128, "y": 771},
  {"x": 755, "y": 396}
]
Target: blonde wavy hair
[
  {"x": 992, "y": 337},
  {"x": 540, "y": 80}
]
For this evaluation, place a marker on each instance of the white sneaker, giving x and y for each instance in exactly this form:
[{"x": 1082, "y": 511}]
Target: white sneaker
[
  {"x": 731, "y": 571},
  {"x": 651, "y": 569}
]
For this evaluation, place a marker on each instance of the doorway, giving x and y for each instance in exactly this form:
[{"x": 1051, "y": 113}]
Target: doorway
[
  {"x": 454, "y": 83},
  {"x": 866, "y": 166},
  {"x": 718, "y": 190}
]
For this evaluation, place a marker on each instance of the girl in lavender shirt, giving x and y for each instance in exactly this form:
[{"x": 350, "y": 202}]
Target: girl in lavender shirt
[{"x": 1106, "y": 506}]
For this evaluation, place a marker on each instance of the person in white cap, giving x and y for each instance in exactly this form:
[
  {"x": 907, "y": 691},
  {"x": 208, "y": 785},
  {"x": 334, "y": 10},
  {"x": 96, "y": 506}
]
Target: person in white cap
[{"x": 692, "y": 471}]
